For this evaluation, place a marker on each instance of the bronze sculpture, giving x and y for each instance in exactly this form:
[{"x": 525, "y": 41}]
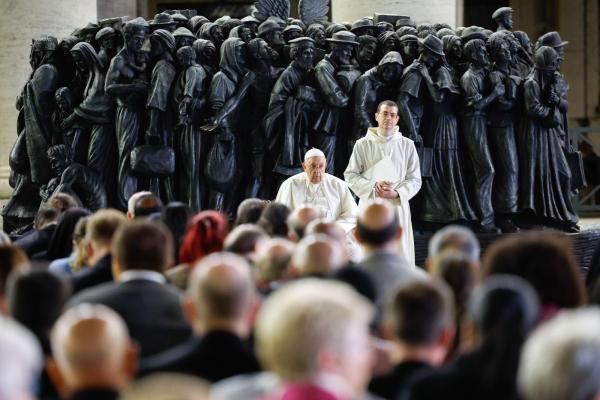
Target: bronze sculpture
[
  {"x": 125, "y": 81},
  {"x": 478, "y": 97},
  {"x": 234, "y": 117},
  {"x": 334, "y": 97}
]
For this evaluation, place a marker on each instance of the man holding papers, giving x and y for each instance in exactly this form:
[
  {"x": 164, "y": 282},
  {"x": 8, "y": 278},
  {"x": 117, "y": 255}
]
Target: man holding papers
[
  {"x": 385, "y": 164},
  {"x": 317, "y": 188}
]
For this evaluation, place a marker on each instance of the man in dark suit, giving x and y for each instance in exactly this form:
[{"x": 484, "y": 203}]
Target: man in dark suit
[
  {"x": 151, "y": 308},
  {"x": 37, "y": 239},
  {"x": 93, "y": 355},
  {"x": 419, "y": 320},
  {"x": 378, "y": 232},
  {"x": 100, "y": 229},
  {"x": 220, "y": 299}
]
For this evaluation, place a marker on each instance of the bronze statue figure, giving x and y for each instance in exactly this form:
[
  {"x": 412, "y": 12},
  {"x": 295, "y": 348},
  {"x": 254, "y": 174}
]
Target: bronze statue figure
[
  {"x": 478, "y": 96},
  {"x": 30, "y": 167},
  {"x": 545, "y": 178},
  {"x": 125, "y": 81},
  {"x": 325, "y": 129}
]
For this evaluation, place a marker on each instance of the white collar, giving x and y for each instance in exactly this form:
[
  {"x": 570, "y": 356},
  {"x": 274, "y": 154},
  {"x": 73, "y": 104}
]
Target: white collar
[{"x": 142, "y": 274}]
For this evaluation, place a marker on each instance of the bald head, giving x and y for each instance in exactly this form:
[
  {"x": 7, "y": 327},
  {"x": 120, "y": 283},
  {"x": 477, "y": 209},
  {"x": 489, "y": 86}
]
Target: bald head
[
  {"x": 273, "y": 260},
  {"x": 317, "y": 255},
  {"x": 328, "y": 228},
  {"x": 92, "y": 348},
  {"x": 377, "y": 224},
  {"x": 300, "y": 218},
  {"x": 331, "y": 229},
  {"x": 221, "y": 288}
]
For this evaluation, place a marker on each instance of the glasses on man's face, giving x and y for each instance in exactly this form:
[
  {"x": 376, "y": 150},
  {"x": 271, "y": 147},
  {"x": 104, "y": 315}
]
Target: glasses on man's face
[{"x": 386, "y": 114}]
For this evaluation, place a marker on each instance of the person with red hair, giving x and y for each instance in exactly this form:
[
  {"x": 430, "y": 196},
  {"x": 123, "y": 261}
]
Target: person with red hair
[{"x": 205, "y": 235}]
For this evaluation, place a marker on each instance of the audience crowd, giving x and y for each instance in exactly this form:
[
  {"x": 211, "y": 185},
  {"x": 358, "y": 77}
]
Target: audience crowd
[{"x": 282, "y": 304}]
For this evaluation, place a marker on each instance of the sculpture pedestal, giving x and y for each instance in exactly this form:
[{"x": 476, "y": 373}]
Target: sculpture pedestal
[{"x": 584, "y": 244}]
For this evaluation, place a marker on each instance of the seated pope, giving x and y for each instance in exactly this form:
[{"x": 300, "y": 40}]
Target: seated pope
[{"x": 313, "y": 186}]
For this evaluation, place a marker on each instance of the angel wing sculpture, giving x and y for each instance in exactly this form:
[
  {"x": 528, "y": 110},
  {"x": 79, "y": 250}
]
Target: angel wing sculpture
[
  {"x": 264, "y": 9},
  {"x": 311, "y": 11}
]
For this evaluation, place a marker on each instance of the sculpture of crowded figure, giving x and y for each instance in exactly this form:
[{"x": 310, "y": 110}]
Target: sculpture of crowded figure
[{"x": 211, "y": 112}]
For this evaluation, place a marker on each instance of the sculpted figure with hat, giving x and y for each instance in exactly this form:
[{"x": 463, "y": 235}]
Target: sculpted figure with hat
[{"x": 335, "y": 98}]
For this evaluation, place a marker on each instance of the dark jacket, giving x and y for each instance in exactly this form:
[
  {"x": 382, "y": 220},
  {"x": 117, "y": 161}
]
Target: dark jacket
[
  {"x": 101, "y": 272},
  {"x": 389, "y": 385},
  {"x": 152, "y": 312},
  {"x": 215, "y": 356}
]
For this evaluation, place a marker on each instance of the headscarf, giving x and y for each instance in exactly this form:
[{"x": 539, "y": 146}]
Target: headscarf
[
  {"x": 96, "y": 103},
  {"x": 229, "y": 64}
]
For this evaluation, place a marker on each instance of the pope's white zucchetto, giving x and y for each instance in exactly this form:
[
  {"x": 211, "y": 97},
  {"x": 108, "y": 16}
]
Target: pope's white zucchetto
[{"x": 313, "y": 153}]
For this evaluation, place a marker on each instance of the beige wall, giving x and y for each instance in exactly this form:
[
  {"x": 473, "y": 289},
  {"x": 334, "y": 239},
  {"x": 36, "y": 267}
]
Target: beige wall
[
  {"x": 20, "y": 21},
  {"x": 421, "y": 11}
]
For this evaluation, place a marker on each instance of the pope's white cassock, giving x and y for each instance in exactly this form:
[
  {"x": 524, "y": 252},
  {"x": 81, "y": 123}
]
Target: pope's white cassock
[
  {"x": 393, "y": 158},
  {"x": 331, "y": 196}
]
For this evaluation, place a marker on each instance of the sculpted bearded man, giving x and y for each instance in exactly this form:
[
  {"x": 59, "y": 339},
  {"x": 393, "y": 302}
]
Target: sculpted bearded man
[
  {"x": 385, "y": 164},
  {"x": 322, "y": 190}
]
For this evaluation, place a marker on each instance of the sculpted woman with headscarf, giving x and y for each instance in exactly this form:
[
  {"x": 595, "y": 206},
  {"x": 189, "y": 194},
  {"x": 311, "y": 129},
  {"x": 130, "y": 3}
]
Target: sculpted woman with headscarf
[
  {"x": 545, "y": 177},
  {"x": 28, "y": 161},
  {"x": 444, "y": 197},
  {"x": 223, "y": 154},
  {"x": 96, "y": 114}
]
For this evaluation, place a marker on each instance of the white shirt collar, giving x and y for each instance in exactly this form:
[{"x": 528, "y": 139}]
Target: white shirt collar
[{"x": 142, "y": 274}]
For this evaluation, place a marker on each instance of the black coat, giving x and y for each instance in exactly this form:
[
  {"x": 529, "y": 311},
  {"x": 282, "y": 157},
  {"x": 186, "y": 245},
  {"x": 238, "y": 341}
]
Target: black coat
[
  {"x": 99, "y": 273},
  {"x": 36, "y": 241},
  {"x": 389, "y": 385},
  {"x": 215, "y": 356},
  {"x": 152, "y": 312}
]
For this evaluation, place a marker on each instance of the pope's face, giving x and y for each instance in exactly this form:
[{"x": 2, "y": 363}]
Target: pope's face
[
  {"x": 315, "y": 168},
  {"x": 387, "y": 118}
]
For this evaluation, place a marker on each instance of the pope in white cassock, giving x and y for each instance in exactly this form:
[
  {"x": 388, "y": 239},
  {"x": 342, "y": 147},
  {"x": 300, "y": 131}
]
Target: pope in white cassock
[
  {"x": 313, "y": 186},
  {"x": 385, "y": 164}
]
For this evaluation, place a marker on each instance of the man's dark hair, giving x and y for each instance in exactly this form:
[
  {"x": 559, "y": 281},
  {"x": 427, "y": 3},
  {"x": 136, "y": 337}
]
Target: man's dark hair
[
  {"x": 273, "y": 219},
  {"x": 420, "y": 311},
  {"x": 243, "y": 239},
  {"x": 36, "y": 299},
  {"x": 249, "y": 211},
  {"x": 377, "y": 237},
  {"x": 45, "y": 216},
  {"x": 12, "y": 258},
  {"x": 143, "y": 244},
  {"x": 388, "y": 103},
  {"x": 146, "y": 205}
]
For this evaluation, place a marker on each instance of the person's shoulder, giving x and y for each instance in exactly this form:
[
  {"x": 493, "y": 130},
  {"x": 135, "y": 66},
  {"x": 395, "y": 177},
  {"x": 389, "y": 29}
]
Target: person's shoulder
[
  {"x": 170, "y": 359},
  {"x": 334, "y": 180},
  {"x": 299, "y": 177},
  {"x": 95, "y": 294}
]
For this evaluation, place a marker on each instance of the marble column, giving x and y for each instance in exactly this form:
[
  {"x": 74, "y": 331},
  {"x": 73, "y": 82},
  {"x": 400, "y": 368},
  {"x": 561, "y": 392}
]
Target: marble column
[
  {"x": 20, "y": 21},
  {"x": 431, "y": 11}
]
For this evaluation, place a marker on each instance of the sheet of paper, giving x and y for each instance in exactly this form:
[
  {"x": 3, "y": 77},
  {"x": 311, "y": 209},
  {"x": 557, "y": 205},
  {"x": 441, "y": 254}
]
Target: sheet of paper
[{"x": 384, "y": 170}]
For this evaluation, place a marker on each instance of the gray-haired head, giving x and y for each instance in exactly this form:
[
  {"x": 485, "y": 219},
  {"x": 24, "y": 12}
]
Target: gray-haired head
[
  {"x": 561, "y": 359},
  {"x": 456, "y": 237}
]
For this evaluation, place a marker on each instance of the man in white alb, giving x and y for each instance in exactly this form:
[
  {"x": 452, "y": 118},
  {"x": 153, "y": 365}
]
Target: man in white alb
[
  {"x": 317, "y": 188},
  {"x": 385, "y": 164}
]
